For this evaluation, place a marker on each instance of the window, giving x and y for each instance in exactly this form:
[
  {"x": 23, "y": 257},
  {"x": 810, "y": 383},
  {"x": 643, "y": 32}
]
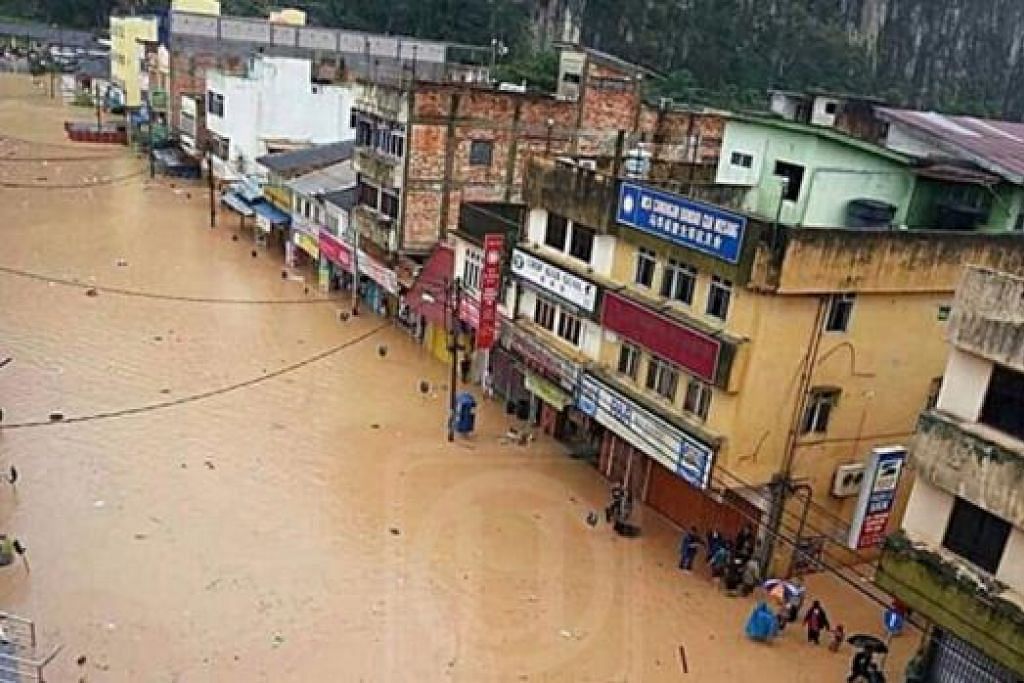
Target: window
[
  {"x": 741, "y": 159},
  {"x": 840, "y": 306},
  {"x": 698, "y": 398},
  {"x": 831, "y": 107},
  {"x": 818, "y": 410},
  {"x": 645, "y": 263},
  {"x": 1004, "y": 402},
  {"x": 934, "y": 387},
  {"x": 353, "y": 119},
  {"x": 480, "y": 152},
  {"x": 794, "y": 179},
  {"x": 629, "y": 360},
  {"x": 662, "y": 378},
  {"x": 397, "y": 144},
  {"x": 215, "y": 103},
  {"x": 581, "y": 244},
  {"x": 472, "y": 269},
  {"x": 368, "y": 195},
  {"x": 1018, "y": 225},
  {"x": 544, "y": 315},
  {"x": 364, "y": 133},
  {"x": 678, "y": 281},
  {"x": 569, "y": 327},
  {"x": 976, "y": 535},
  {"x": 389, "y": 204},
  {"x": 555, "y": 232},
  {"x": 718, "y": 297}
]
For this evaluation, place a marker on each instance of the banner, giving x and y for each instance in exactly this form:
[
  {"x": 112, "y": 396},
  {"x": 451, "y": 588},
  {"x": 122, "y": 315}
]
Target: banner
[
  {"x": 490, "y": 284},
  {"x": 877, "y": 497}
]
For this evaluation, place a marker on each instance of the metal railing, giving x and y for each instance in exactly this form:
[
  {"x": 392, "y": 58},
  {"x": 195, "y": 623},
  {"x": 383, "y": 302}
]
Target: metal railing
[{"x": 20, "y": 659}]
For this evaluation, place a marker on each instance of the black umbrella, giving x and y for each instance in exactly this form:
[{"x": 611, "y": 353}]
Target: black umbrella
[{"x": 864, "y": 641}]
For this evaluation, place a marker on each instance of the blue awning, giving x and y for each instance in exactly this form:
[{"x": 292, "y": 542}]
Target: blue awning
[
  {"x": 236, "y": 203},
  {"x": 273, "y": 214}
]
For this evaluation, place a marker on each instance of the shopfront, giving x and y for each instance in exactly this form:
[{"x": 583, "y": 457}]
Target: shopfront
[
  {"x": 335, "y": 262},
  {"x": 378, "y": 285},
  {"x": 303, "y": 249},
  {"x": 536, "y": 380},
  {"x": 665, "y": 465}
]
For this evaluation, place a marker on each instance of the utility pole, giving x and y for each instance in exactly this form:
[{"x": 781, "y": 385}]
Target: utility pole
[
  {"x": 453, "y": 293},
  {"x": 213, "y": 200},
  {"x": 152, "y": 160},
  {"x": 355, "y": 269},
  {"x": 99, "y": 108}
]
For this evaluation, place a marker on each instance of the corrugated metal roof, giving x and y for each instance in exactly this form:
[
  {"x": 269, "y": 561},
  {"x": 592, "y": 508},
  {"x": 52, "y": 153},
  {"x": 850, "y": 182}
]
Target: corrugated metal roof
[
  {"x": 343, "y": 199},
  {"x": 997, "y": 146},
  {"x": 311, "y": 158},
  {"x": 327, "y": 179}
]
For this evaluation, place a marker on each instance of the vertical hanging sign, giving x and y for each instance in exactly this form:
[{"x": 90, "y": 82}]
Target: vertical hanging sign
[
  {"x": 490, "y": 283},
  {"x": 877, "y": 497}
]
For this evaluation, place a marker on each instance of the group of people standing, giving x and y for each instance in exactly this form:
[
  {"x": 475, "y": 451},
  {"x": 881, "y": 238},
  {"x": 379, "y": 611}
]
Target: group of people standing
[{"x": 731, "y": 561}]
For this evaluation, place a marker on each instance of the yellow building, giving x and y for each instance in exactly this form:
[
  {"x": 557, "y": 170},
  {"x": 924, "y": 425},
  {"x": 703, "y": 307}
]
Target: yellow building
[
  {"x": 736, "y": 370},
  {"x": 127, "y": 55},
  {"x": 211, "y": 7}
]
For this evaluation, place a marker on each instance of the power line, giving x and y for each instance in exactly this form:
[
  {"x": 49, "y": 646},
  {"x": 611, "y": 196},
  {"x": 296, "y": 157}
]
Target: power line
[
  {"x": 71, "y": 186},
  {"x": 154, "y": 295},
  {"x": 192, "y": 398}
]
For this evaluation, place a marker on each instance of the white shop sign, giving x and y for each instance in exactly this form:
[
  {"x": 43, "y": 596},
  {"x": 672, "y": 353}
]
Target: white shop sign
[
  {"x": 672, "y": 447},
  {"x": 549, "y": 278}
]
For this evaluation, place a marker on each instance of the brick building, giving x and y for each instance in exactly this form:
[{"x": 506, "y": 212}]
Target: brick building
[{"x": 425, "y": 148}]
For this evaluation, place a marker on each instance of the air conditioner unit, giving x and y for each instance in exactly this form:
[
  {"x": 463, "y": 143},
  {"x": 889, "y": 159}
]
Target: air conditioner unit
[
  {"x": 847, "y": 480},
  {"x": 589, "y": 164}
]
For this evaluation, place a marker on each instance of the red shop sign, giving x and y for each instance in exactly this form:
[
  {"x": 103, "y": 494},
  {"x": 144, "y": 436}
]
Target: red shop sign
[
  {"x": 490, "y": 282},
  {"x": 335, "y": 251},
  {"x": 667, "y": 338}
]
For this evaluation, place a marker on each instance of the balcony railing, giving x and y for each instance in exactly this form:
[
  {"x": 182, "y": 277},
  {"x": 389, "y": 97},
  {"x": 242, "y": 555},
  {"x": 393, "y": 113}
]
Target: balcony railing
[
  {"x": 381, "y": 168},
  {"x": 954, "y": 596},
  {"x": 375, "y": 227}
]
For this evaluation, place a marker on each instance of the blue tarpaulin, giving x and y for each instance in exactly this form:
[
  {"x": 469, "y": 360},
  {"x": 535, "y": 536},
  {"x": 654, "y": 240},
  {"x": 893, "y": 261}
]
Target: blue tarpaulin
[
  {"x": 236, "y": 203},
  {"x": 273, "y": 214}
]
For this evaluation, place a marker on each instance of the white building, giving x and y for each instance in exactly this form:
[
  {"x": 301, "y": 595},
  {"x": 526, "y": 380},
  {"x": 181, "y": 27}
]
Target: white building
[
  {"x": 275, "y": 107},
  {"x": 960, "y": 564}
]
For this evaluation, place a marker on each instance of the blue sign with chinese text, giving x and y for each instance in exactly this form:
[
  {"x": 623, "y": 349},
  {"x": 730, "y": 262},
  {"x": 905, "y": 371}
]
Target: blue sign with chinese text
[{"x": 685, "y": 222}]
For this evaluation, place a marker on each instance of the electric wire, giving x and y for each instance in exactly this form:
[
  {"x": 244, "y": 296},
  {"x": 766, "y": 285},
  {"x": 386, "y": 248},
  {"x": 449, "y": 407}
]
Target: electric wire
[
  {"x": 64, "y": 282},
  {"x": 192, "y": 398},
  {"x": 73, "y": 185}
]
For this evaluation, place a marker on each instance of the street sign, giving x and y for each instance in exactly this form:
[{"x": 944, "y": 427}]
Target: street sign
[
  {"x": 893, "y": 621},
  {"x": 490, "y": 284}
]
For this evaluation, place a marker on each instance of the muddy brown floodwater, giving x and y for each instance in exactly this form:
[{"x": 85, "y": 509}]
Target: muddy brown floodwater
[{"x": 314, "y": 526}]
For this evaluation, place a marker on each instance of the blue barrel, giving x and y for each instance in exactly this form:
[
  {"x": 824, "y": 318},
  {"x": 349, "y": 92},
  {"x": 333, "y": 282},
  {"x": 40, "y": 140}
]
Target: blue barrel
[{"x": 465, "y": 413}]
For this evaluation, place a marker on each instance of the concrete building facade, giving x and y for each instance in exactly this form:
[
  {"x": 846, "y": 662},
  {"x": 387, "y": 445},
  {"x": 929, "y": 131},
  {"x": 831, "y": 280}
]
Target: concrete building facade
[
  {"x": 274, "y": 107},
  {"x": 128, "y": 68},
  {"x": 959, "y": 561},
  {"x": 725, "y": 383}
]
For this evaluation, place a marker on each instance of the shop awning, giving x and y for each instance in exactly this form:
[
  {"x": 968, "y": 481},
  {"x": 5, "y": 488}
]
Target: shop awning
[
  {"x": 271, "y": 213},
  {"x": 427, "y": 297},
  {"x": 236, "y": 204}
]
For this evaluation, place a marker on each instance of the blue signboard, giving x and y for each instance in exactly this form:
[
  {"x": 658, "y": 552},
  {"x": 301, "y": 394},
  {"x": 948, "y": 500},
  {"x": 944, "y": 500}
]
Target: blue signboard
[
  {"x": 893, "y": 621},
  {"x": 685, "y": 222},
  {"x": 676, "y": 450}
]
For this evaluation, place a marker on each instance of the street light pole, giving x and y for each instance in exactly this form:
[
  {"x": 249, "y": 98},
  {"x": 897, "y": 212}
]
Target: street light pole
[
  {"x": 454, "y": 294},
  {"x": 152, "y": 160},
  {"x": 209, "y": 173}
]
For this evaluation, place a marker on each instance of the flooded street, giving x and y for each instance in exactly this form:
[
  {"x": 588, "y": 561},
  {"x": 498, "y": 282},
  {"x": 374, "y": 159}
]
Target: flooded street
[{"x": 309, "y": 522}]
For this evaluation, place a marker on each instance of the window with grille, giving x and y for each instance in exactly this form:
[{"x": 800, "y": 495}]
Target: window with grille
[
  {"x": 480, "y": 152},
  {"x": 719, "y": 297},
  {"x": 818, "y": 410},
  {"x": 840, "y": 308},
  {"x": 662, "y": 378},
  {"x": 581, "y": 243},
  {"x": 544, "y": 315},
  {"x": 569, "y": 328},
  {"x": 698, "y": 398},
  {"x": 646, "y": 261},
  {"x": 629, "y": 360},
  {"x": 678, "y": 281},
  {"x": 472, "y": 269}
]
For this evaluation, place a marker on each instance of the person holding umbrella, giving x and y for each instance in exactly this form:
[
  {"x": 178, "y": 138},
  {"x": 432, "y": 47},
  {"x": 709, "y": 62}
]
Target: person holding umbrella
[{"x": 862, "y": 667}]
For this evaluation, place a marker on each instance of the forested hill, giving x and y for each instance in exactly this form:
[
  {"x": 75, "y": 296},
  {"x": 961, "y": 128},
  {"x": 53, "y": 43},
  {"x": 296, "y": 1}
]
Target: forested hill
[{"x": 955, "y": 55}]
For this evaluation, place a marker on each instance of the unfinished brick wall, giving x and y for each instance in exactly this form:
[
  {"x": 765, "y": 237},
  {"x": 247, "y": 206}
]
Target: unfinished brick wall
[{"x": 188, "y": 76}]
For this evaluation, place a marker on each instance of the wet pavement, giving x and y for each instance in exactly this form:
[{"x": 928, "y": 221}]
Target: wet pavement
[{"x": 270, "y": 517}]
